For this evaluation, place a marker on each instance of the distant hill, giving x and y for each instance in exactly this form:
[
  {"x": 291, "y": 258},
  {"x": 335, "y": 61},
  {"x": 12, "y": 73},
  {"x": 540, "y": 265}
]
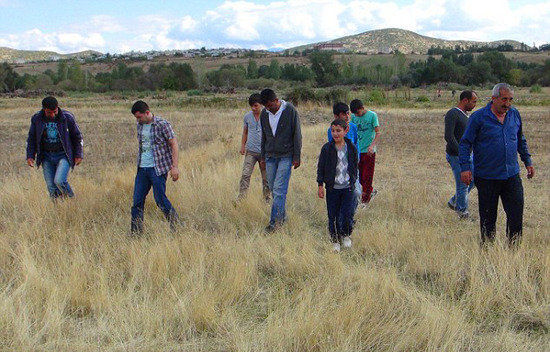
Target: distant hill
[
  {"x": 21, "y": 56},
  {"x": 407, "y": 42}
]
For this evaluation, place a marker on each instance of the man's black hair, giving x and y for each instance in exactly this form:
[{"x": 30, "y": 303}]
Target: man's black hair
[
  {"x": 255, "y": 98},
  {"x": 139, "y": 106},
  {"x": 467, "y": 94},
  {"x": 340, "y": 122},
  {"x": 355, "y": 105},
  {"x": 268, "y": 95},
  {"x": 49, "y": 103},
  {"x": 339, "y": 108}
]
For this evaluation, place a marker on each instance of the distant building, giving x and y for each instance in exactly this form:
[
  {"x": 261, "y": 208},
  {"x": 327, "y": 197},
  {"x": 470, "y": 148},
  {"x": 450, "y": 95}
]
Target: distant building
[{"x": 330, "y": 46}]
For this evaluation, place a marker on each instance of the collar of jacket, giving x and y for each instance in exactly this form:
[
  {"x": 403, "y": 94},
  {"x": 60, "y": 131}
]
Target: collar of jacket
[{"x": 58, "y": 118}]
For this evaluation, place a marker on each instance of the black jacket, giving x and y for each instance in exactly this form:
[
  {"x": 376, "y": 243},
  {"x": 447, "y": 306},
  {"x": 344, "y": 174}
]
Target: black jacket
[
  {"x": 288, "y": 139},
  {"x": 326, "y": 168}
]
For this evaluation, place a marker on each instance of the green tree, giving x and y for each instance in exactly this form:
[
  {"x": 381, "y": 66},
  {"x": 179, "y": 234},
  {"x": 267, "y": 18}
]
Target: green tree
[
  {"x": 8, "y": 78},
  {"x": 325, "y": 69},
  {"x": 274, "y": 70},
  {"x": 252, "y": 69}
]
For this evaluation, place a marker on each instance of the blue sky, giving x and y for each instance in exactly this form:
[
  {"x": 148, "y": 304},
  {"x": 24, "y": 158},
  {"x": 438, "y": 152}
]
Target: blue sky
[{"x": 123, "y": 25}]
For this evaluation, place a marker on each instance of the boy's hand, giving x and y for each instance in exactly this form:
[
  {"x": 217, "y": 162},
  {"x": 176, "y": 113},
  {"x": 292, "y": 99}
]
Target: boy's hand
[
  {"x": 243, "y": 151},
  {"x": 370, "y": 150},
  {"x": 30, "y": 162},
  {"x": 466, "y": 177},
  {"x": 77, "y": 161},
  {"x": 262, "y": 163},
  {"x": 296, "y": 164},
  {"x": 321, "y": 192},
  {"x": 174, "y": 173},
  {"x": 530, "y": 171}
]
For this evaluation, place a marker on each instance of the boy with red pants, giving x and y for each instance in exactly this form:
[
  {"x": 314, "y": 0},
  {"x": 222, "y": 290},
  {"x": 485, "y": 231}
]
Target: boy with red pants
[{"x": 368, "y": 131}]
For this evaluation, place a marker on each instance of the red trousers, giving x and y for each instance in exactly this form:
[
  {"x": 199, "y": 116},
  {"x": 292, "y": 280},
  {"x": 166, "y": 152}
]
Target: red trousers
[{"x": 366, "y": 174}]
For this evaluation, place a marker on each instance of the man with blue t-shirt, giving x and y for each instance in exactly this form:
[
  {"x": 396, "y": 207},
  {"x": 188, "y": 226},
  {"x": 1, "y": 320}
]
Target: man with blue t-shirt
[
  {"x": 495, "y": 133},
  {"x": 55, "y": 142}
]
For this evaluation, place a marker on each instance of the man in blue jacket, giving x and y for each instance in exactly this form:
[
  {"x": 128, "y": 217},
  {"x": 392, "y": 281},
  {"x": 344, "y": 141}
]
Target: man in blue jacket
[
  {"x": 495, "y": 133},
  {"x": 55, "y": 142}
]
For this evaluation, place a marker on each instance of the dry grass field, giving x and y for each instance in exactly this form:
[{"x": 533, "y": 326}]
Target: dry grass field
[{"x": 415, "y": 279}]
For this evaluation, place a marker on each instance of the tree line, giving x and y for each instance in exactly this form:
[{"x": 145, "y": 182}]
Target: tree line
[{"x": 322, "y": 70}]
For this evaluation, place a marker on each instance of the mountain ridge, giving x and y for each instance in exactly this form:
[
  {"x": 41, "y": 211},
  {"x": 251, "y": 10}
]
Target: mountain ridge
[
  {"x": 19, "y": 56},
  {"x": 408, "y": 42}
]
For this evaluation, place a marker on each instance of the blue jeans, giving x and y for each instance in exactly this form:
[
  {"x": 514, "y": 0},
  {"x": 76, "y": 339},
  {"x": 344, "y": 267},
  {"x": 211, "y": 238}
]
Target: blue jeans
[
  {"x": 146, "y": 178},
  {"x": 55, "y": 167},
  {"x": 278, "y": 175},
  {"x": 340, "y": 203},
  {"x": 460, "y": 199}
]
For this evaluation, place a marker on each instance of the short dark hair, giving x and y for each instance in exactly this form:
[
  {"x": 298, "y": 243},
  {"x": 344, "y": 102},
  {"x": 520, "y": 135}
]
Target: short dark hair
[
  {"x": 339, "y": 108},
  {"x": 49, "y": 103},
  {"x": 467, "y": 94},
  {"x": 339, "y": 122},
  {"x": 268, "y": 95},
  {"x": 255, "y": 98},
  {"x": 355, "y": 105},
  {"x": 140, "y": 106}
]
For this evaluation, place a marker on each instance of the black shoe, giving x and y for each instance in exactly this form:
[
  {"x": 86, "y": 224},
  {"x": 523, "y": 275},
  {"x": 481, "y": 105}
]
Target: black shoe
[
  {"x": 453, "y": 207},
  {"x": 270, "y": 228}
]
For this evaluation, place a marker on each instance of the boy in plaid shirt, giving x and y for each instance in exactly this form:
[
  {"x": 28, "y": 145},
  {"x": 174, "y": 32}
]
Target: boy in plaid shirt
[{"x": 157, "y": 156}]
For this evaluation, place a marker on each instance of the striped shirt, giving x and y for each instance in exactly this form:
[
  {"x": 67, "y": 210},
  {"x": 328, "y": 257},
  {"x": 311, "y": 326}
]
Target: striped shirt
[{"x": 161, "y": 132}]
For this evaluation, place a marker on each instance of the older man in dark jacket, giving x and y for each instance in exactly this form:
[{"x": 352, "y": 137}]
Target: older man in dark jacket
[{"x": 55, "y": 142}]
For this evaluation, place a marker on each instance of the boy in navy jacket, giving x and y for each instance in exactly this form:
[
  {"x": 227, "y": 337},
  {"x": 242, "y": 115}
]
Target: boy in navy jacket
[{"x": 337, "y": 171}]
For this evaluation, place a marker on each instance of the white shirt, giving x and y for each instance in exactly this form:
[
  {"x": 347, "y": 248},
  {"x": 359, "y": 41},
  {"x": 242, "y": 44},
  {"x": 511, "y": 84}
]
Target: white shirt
[{"x": 274, "y": 118}]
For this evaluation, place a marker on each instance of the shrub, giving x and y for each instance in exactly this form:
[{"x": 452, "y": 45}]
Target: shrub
[
  {"x": 422, "y": 99},
  {"x": 194, "y": 92},
  {"x": 535, "y": 89},
  {"x": 332, "y": 95},
  {"x": 301, "y": 94},
  {"x": 377, "y": 96}
]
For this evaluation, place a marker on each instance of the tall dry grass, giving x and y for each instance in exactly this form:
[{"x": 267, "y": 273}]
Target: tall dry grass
[{"x": 415, "y": 280}]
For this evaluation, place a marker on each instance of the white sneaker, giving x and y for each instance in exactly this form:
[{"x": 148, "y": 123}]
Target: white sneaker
[
  {"x": 346, "y": 241},
  {"x": 336, "y": 247}
]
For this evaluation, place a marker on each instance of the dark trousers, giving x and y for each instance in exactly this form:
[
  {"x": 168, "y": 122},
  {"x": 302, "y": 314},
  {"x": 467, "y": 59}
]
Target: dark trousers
[
  {"x": 146, "y": 178},
  {"x": 340, "y": 207},
  {"x": 510, "y": 192},
  {"x": 366, "y": 174}
]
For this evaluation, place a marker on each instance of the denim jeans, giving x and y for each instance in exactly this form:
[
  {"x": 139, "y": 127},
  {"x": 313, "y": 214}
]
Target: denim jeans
[
  {"x": 460, "y": 199},
  {"x": 340, "y": 204},
  {"x": 146, "y": 178},
  {"x": 278, "y": 176},
  {"x": 55, "y": 167}
]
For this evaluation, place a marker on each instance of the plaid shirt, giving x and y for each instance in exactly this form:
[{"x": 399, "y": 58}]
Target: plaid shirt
[{"x": 161, "y": 132}]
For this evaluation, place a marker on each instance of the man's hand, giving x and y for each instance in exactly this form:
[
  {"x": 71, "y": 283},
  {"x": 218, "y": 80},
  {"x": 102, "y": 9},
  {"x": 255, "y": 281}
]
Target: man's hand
[
  {"x": 174, "y": 173},
  {"x": 262, "y": 163},
  {"x": 30, "y": 162},
  {"x": 530, "y": 171},
  {"x": 77, "y": 161},
  {"x": 466, "y": 177},
  {"x": 296, "y": 164},
  {"x": 370, "y": 150},
  {"x": 321, "y": 192},
  {"x": 243, "y": 151}
]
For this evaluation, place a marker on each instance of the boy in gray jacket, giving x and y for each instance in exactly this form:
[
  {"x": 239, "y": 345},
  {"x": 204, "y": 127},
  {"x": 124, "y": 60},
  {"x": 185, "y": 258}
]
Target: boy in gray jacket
[{"x": 280, "y": 150}]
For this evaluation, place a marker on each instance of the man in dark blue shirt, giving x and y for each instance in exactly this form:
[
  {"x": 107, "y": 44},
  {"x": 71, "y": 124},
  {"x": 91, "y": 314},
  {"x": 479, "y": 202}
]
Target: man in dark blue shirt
[{"x": 495, "y": 134}]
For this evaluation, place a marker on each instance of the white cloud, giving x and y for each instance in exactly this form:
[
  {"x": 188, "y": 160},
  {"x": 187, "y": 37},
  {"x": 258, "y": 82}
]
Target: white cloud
[
  {"x": 105, "y": 24},
  {"x": 287, "y": 23}
]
